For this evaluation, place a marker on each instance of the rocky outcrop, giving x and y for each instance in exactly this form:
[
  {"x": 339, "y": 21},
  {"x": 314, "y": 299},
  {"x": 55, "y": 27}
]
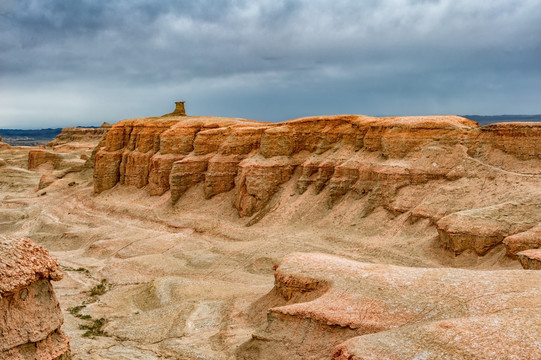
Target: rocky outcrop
[
  {"x": 80, "y": 135},
  {"x": 256, "y": 158},
  {"x": 179, "y": 110},
  {"x": 39, "y": 157},
  {"x": 30, "y": 316},
  {"x": 369, "y": 311},
  {"x": 530, "y": 239},
  {"x": 530, "y": 259},
  {"x": 54, "y": 165},
  {"x": 403, "y": 164},
  {"x": 482, "y": 229},
  {"x": 73, "y": 150}
]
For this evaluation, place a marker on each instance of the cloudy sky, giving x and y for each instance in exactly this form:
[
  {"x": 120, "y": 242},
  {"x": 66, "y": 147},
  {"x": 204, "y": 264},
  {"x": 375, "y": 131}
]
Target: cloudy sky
[{"x": 82, "y": 62}]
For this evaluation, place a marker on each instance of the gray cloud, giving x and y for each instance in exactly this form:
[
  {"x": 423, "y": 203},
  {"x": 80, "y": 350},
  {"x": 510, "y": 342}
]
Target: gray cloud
[{"x": 84, "y": 62}]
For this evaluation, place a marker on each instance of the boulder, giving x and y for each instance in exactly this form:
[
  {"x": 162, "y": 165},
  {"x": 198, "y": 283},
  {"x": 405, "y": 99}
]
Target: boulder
[{"x": 30, "y": 316}]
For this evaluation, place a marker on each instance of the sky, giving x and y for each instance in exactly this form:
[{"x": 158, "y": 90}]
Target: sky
[{"x": 67, "y": 63}]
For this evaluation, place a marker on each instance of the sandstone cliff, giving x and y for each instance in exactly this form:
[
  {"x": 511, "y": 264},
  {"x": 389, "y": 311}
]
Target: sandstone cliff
[
  {"x": 476, "y": 184},
  {"x": 256, "y": 158},
  {"x": 30, "y": 316}
]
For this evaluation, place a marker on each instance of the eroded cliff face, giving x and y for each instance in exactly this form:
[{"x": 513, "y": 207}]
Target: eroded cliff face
[
  {"x": 256, "y": 158},
  {"x": 444, "y": 168},
  {"x": 30, "y": 316}
]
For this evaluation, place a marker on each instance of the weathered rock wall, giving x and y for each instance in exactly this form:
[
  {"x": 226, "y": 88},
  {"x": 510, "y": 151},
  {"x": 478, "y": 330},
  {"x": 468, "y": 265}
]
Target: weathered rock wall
[
  {"x": 404, "y": 164},
  {"x": 256, "y": 158}
]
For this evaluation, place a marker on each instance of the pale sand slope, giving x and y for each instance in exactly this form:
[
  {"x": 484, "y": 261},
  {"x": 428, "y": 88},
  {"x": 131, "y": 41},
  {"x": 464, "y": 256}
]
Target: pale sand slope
[{"x": 183, "y": 277}]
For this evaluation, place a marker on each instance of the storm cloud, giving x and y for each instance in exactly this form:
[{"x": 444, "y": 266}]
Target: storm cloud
[{"x": 88, "y": 61}]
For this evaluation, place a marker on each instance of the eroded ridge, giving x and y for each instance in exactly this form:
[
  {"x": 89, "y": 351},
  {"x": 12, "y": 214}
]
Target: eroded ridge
[
  {"x": 371, "y": 311},
  {"x": 30, "y": 316},
  {"x": 255, "y": 158},
  {"x": 478, "y": 185}
]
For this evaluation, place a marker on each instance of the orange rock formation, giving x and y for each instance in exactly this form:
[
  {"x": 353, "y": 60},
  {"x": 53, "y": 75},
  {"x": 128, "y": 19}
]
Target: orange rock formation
[
  {"x": 73, "y": 150},
  {"x": 530, "y": 259},
  {"x": 30, "y": 316},
  {"x": 405, "y": 164}
]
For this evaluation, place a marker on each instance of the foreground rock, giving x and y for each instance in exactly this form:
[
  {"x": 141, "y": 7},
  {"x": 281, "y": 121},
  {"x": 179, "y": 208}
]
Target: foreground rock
[
  {"x": 388, "y": 312},
  {"x": 30, "y": 316},
  {"x": 512, "y": 335}
]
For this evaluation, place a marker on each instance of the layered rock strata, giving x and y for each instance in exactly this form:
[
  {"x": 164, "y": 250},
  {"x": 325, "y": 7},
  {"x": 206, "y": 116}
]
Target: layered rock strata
[
  {"x": 234, "y": 153},
  {"x": 38, "y": 157},
  {"x": 80, "y": 135},
  {"x": 30, "y": 316},
  {"x": 73, "y": 150},
  {"x": 369, "y": 311},
  {"x": 403, "y": 164}
]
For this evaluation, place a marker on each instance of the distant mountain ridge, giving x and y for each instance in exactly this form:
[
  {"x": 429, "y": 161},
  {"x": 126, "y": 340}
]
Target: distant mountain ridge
[
  {"x": 20, "y": 137},
  {"x": 49, "y": 133},
  {"x": 491, "y": 119},
  {"x": 31, "y": 137}
]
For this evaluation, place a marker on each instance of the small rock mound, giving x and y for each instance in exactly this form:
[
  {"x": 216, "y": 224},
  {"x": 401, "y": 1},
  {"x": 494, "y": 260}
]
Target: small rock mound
[{"x": 30, "y": 316}]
